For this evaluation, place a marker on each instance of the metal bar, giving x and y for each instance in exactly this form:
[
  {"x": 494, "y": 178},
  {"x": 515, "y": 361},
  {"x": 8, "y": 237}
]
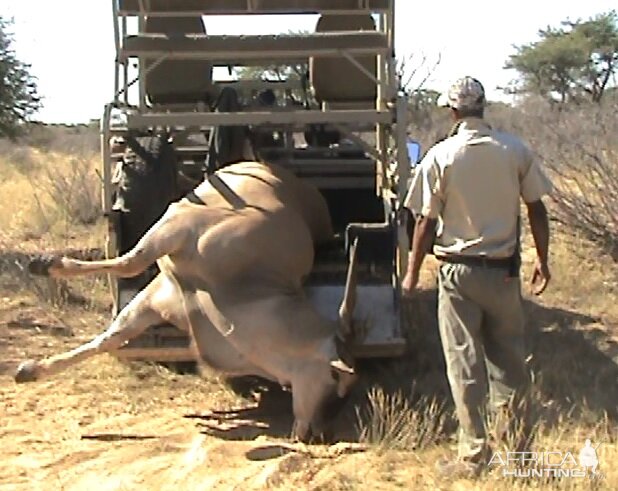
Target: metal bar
[
  {"x": 246, "y": 57},
  {"x": 117, "y": 47},
  {"x": 186, "y": 8},
  {"x": 391, "y": 22},
  {"x": 249, "y": 84},
  {"x": 393, "y": 85},
  {"x": 323, "y": 166},
  {"x": 258, "y": 118},
  {"x": 125, "y": 65},
  {"x": 358, "y": 65},
  {"x": 232, "y": 48},
  {"x": 105, "y": 159},
  {"x": 380, "y": 130},
  {"x": 106, "y": 163},
  {"x": 403, "y": 159},
  {"x": 156, "y": 63},
  {"x": 392, "y": 62},
  {"x": 141, "y": 75},
  {"x": 380, "y": 65},
  {"x": 403, "y": 174},
  {"x": 369, "y": 149},
  {"x": 195, "y": 13}
]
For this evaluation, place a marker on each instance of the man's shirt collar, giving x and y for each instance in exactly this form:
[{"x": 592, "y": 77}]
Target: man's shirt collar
[{"x": 475, "y": 125}]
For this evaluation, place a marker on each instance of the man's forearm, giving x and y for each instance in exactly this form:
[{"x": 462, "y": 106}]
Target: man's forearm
[
  {"x": 539, "y": 224},
  {"x": 422, "y": 239}
]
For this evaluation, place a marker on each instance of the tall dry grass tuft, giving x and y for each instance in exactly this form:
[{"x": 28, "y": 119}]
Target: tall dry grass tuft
[{"x": 391, "y": 422}]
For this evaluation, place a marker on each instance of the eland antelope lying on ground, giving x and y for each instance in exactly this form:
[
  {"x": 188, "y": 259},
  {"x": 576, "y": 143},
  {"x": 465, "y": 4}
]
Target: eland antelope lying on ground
[{"x": 231, "y": 266}]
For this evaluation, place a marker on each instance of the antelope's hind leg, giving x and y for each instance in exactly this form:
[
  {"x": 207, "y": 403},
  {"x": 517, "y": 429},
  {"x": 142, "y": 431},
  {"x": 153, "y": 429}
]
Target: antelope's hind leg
[{"x": 164, "y": 237}]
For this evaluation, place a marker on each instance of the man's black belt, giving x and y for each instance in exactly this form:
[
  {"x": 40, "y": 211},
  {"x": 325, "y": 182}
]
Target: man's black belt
[{"x": 487, "y": 262}]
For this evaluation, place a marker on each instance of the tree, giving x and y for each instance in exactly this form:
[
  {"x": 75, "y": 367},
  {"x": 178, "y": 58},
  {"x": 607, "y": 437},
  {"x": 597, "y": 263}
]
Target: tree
[
  {"x": 413, "y": 72},
  {"x": 579, "y": 58},
  {"x": 602, "y": 36},
  {"x": 18, "y": 89}
]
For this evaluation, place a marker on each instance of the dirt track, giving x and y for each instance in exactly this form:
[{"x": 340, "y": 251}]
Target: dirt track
[{"x": 107, "y": 426}]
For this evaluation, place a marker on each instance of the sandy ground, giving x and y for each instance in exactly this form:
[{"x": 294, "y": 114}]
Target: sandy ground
[{"x": 106, "y": 425}]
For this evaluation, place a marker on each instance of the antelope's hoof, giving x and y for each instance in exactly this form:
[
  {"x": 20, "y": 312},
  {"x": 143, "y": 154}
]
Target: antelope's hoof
[
  {"x": 40, "y": 265},
  {"x": 26, "y": 372}
]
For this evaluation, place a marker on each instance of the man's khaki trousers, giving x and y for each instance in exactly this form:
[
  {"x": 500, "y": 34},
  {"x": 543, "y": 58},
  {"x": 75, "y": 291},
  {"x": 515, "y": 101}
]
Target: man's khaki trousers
[{"x": 481, "y": 322}]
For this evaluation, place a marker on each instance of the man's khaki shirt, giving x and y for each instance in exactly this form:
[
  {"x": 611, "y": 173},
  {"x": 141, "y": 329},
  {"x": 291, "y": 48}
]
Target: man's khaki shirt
[{"x": 472, "y": 182}]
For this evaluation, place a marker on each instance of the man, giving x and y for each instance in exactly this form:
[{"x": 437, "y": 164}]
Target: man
[{"x": 465, "y": 196}]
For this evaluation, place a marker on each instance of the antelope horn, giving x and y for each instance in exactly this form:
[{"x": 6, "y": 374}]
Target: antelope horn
[{"x": 346, "y": 310}]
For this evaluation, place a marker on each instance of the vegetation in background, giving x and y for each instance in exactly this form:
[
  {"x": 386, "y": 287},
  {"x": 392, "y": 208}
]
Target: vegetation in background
[
  {"x": 280, "y": 72},
  {"x": 578, "y": 146},
  {"x": 573, "y": 62},
  {"x": 19, "y": 98}
]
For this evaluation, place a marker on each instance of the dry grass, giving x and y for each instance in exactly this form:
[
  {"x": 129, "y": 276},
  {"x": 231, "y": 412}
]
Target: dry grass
[
  {"x": 390, "y": 422},
  {"x": 46, "y": 195},
  {"x": 51, "y": 202},
  {"x": 573, "y": 334}
]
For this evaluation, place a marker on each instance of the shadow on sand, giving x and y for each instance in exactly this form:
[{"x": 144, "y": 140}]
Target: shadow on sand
[{"x": 270, "y": 414}]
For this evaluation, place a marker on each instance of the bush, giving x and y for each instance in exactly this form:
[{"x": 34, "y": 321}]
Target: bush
[
  {"x": 578, "y": 146},
  {"x": 75, "y": 190}
]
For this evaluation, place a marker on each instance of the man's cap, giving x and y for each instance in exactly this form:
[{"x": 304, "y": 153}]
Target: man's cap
[{"x": 466, "y": 93}]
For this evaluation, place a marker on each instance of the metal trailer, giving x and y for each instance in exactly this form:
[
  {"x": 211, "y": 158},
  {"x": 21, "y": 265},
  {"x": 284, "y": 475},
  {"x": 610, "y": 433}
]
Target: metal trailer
[{"x": 363, "y": 173}]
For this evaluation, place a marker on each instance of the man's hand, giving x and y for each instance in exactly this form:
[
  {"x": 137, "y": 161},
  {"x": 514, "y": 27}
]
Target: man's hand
[
  {"x": 422, "y": 239},
  {"x": 537, "y": 215},
  {"x": 540, "y": 277},
  {"x": 409, "y": 283}
]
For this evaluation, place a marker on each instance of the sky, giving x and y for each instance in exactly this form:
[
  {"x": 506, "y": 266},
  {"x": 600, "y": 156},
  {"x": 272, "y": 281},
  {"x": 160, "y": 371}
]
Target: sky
[{"x": 70, "y": 46}]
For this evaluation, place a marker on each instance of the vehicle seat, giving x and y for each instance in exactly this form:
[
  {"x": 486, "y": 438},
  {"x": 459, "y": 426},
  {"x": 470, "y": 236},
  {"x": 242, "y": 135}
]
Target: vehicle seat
[
  {"x": 178, "y": 81},
  {"x": 337, "y": 81}
]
